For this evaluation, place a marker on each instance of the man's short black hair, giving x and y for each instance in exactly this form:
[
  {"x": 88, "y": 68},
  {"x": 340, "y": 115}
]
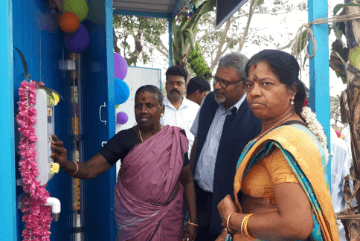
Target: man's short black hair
[
  {"x": 176, "y": 71},
  {"x": 197, "y": 83}
]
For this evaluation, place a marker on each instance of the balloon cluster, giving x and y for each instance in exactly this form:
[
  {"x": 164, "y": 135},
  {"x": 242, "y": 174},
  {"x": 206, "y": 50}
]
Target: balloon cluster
[
  {"x": 77, "y": 36},
  {"x": 122, "y": 90}
]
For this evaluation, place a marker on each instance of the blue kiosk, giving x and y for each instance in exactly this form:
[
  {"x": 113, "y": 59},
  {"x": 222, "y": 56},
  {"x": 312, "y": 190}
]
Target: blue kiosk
[{"x": 31, "y": 26}]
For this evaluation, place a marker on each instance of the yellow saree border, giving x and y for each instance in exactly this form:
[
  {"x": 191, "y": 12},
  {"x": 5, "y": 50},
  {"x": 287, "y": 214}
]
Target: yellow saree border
[{"x": 301, "y": 145}]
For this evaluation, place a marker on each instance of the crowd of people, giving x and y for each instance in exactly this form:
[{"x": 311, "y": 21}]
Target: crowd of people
[{"x": 246, "y": 159}]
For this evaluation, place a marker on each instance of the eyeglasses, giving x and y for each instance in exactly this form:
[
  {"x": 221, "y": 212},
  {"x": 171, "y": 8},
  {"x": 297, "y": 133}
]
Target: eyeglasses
[{"x": 223, "y": 83}]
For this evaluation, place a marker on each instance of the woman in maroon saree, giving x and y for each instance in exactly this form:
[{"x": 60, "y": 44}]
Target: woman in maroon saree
[{"x": 154, "y": 178}]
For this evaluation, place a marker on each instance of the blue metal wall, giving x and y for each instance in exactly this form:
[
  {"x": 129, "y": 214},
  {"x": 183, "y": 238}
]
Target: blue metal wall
[
  {"x": 36, "y": 35},
  {"x": 319, "y": 70},
  {"x": 7, "y": 163},
  {"x": 98, "y": 87}
]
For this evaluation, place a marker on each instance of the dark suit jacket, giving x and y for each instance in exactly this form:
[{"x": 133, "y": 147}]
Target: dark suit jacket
[{"x": 239, "y": 128}]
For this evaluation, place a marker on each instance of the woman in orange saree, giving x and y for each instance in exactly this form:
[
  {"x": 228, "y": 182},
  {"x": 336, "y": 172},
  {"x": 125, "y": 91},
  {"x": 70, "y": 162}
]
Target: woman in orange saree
[{"x": 280, "y": 190}]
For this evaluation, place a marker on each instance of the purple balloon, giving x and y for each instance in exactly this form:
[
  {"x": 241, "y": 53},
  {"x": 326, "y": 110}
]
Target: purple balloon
[
  {"x": 78, "y": 41},
  {"x": 121, "y": 118},
  {"x": 120, "y": 66}
]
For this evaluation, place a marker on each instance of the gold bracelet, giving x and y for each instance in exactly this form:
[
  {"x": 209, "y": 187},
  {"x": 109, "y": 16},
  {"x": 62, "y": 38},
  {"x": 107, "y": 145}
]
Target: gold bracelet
[
  {"x": 77, "y": 168},
  {"x": 242, "y": 225},
  {"x": 193, "y": 224},
  {"x": 228, "y": 222},
  {"x": 246, "y": 220}
]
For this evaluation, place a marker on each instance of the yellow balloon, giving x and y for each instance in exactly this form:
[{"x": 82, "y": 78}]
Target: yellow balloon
[{"x": 79, "y": 7}]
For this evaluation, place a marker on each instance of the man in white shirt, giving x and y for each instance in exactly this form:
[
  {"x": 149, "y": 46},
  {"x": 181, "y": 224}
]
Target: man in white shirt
[
  {"x": 179, "y": 111},
  {"x": 341, "y": 162}
]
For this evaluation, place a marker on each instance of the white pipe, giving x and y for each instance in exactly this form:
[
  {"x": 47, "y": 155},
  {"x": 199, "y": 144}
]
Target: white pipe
[{"x": 55, "y": 207}]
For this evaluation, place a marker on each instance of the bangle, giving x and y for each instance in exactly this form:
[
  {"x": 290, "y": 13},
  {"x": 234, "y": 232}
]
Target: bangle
[
  {"x": 77, "y": 168},
  {"x": 193, "y": 224},
  {"x": 245, "y": 228},
  {"x": 228, "y": 222},
  {"x": 242, "y": 225}
]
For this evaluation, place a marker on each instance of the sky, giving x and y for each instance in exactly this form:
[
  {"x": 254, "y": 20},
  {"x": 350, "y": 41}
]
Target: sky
[
  {"x": 279, "y": 25},
  {"x": 291, "y": 23}
]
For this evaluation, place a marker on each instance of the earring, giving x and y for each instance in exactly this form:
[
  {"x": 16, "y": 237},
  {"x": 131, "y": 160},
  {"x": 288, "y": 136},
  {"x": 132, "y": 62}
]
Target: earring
[
  {"x": 162, "y": 114},
  {"x": 292, "y": 100}
]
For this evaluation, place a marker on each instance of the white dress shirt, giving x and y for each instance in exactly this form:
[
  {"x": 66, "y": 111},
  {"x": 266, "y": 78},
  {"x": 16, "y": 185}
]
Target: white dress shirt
[
  {"x": 183, "y": 117},
  {"x": 340, "y": 167},
  {"x": 205, "y": 169}
]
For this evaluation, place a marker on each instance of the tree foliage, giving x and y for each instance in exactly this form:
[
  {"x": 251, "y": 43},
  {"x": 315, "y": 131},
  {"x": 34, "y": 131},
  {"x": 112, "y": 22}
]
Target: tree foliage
[
  {"x": 345, "y": 60},
  {"x": 134, "y": 34},
  {"x": 236, "y": 34}
]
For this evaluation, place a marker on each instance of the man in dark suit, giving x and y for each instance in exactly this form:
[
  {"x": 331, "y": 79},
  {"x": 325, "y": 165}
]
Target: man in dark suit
[{"x": 222, "y": 128}]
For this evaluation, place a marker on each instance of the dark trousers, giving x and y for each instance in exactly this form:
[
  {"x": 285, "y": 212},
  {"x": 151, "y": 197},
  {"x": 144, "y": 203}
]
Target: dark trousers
[{"x": 203, "y": 203}]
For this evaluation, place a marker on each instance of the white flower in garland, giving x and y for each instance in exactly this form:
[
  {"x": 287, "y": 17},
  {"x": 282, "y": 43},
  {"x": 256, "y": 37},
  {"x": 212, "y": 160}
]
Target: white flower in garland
[{"x": 316, "y": 128}]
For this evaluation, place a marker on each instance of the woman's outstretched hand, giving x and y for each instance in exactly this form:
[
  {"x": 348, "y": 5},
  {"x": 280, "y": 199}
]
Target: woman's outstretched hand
[
  {"x": 190, "y": 233},
  {"x": 226, "y": 207},
  {"x": 59, "y": 153}
]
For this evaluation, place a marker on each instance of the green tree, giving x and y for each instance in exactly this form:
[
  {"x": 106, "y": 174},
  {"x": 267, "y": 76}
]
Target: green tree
[
  {"x": 232, "y": 36},
  {"x": 345, "y": 60},
  {"x": 145, "y": 32}
]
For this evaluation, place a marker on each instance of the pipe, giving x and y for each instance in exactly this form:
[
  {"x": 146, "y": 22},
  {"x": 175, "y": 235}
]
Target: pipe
[{"x": 55, "y": 207}]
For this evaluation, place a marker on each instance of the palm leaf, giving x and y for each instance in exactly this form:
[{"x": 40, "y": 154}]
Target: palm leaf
[
  {"x": 48, "y": 90},
  {"x": 340, "y": 6},
  {"x": 26, "y": 73}
]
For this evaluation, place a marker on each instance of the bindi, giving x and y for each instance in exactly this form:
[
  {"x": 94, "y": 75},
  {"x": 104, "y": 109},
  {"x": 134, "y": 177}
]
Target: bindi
[{"x": 143, "y": 99}]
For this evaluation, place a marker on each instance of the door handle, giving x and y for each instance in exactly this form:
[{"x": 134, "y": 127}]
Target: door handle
[{"x": 104, "y": 105}]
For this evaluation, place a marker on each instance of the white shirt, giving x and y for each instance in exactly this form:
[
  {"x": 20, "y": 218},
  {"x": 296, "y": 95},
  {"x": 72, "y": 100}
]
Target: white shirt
[
  {"x": 340, "y": 167},
  {"x": 347, "y": 138},
  {"x": 205, "y": 168},
  {"x": 183, "y": 117}
]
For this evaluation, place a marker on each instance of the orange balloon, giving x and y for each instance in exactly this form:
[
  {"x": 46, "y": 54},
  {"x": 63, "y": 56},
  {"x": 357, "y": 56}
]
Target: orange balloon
[{"x": 69, "y": 22}]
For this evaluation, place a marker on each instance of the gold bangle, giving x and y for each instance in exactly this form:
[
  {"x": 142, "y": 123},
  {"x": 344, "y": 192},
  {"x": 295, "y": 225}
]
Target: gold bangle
[
  {"x": 246, "y": 221},
  {"x": 77, "y": 168},
  {"x": 193, "y": 224},
  {"x": 228, "y": 222},
  {"x": 242, "y": 225}
]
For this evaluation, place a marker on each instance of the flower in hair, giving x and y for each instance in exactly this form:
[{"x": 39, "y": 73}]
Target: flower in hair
[
  {"x": 305, "y": 102},
  {"x": 316, "y": 128}
]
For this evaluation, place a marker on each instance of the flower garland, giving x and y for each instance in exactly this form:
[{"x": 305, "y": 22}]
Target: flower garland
[
  {"x": 37, "y": 217},
  {"x": 316, "y": 128}
]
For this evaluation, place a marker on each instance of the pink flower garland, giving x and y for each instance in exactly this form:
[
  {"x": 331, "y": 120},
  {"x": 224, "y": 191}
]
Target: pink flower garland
[{"x": 37, "y": 217}]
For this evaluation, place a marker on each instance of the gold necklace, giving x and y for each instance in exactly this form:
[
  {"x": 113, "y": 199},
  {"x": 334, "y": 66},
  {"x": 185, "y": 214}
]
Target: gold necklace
[
  {"x": 161, "y": 127},
  {"x": 273, "y": 127}
]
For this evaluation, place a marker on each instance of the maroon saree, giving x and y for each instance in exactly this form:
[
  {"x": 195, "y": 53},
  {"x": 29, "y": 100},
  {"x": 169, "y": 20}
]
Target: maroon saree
[{"x": 148, "y": 197}]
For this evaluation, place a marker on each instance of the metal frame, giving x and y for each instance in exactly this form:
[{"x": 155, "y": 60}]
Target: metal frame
[
  {"x": 143, "y": 14},
  {"x": 319, "y": 71},
  {"x": 7, "y": 139}
]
